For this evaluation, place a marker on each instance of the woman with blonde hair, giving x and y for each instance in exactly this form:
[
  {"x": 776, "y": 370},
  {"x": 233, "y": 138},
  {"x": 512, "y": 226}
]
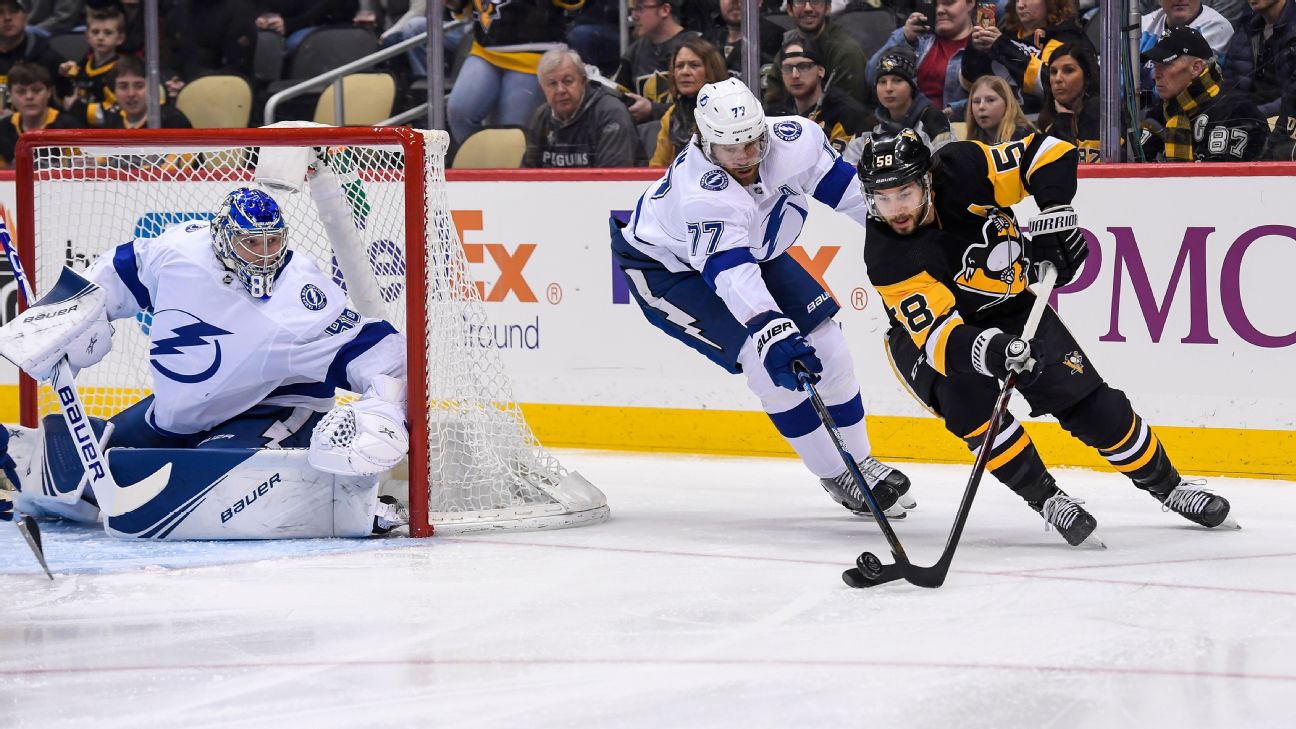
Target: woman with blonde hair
[
  {"x": 993, "y": 114},
  {"x": 694, "y": 64}
]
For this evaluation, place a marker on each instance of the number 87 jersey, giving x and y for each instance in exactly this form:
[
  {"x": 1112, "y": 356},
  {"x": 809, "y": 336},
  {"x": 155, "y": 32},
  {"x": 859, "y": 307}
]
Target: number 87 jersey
[{"x": 969, "y": 264}]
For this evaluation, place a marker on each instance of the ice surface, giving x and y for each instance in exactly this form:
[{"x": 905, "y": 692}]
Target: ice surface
[{"x": 711, "y": 599}]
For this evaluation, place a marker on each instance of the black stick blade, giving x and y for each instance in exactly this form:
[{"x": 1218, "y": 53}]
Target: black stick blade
[{"x": 31, "y": 532}]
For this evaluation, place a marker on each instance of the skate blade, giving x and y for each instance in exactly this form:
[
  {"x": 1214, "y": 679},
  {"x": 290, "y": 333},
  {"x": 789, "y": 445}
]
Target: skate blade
[
  {"x": 1229, "y": 524},
  {"x": 900, "y": 514},
  {"x": 908, "y": 502},
  {"x": 1091, "y": 542}
]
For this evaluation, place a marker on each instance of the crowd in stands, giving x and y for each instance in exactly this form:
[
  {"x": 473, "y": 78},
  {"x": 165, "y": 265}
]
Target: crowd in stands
[{"x": 1217, "y": 77}]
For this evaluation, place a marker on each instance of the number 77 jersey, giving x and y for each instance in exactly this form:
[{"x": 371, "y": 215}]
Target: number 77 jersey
[{"x": 969, "y": 265}]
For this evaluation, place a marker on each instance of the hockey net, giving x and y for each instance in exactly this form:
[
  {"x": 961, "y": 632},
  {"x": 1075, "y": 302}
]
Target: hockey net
[{"x": 387, "y": 238}]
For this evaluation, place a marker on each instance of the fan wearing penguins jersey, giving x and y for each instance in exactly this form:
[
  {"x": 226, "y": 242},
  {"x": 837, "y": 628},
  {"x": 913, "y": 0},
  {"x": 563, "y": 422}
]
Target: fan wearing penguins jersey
[
  {"x": 248, "y": 344},
  {"x": 705, "y": 254},
  {"x": 952, "y": 265}
]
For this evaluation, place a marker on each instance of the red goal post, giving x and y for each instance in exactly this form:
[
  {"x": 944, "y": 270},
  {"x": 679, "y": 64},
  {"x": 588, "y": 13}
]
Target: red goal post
[{"x": 385, "y": 235}]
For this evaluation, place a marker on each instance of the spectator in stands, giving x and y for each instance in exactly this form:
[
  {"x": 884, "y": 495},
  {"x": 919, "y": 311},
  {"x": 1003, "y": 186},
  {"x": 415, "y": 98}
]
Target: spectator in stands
[
  {"x": 645, "y": 69},
  {"x": 801, "y": 66},
  {"x": 1234, "y": 11},
  {"x": 130, "y": 110},
  {"x": 31, "y": 88},
  {"x": 296, "y": 19},
  {"x": 16, "y": 44},
  {"x": 939, "y": 45},
  {"x": 725, "y": 34},
  {"x": 412, "y": 23},
  {"x": 844, "y": 60},
  {"x": 1032, "y": 31},
  {"x": 596, "y": 34},
  {"x": 1072, "y": 109},
  {"x": 1262, "y": 54},
  {"x": 993, "y": 114},
  {"x": 580, "y": 124},
  {"x": 695, "y": 64},
  {"x": 92, "y": 77},
  {"x": 49, "y": 17},
  {"x": 901, "y": 105},
  {"x": 1198, "y": 120},
  {"x": 210, "y": 37},
  {"x": 498, "y": 80},
  {"x": 1282, "y": 139},
  {"x": 1217, "y": 30}
]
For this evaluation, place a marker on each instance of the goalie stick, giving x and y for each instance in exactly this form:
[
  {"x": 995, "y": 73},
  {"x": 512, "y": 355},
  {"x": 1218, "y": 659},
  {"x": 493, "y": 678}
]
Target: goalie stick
[{"x": 870, "y": 571}]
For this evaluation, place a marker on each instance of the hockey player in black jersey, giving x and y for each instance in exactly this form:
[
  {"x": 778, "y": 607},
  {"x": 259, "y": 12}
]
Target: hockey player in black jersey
[{"x": 947, "y": 256}]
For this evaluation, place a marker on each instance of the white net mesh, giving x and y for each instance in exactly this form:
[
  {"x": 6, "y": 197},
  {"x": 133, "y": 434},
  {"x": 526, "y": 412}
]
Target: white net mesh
[{"x": 474, "y": 462}]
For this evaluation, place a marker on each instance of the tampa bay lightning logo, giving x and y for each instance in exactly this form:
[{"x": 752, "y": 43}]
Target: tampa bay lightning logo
[
  {"x": 715, "y": 180},
  {"x": 185, "y": 348},
  {"x": 787, "y": 130},
  {"x": 312, "y": 298}
]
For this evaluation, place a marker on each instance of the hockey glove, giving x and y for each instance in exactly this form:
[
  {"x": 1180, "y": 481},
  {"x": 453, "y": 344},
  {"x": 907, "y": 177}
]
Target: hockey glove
[
  {"x": 1055, "y": 237},
  {"x": 996, "y": 354},
  {"x": 779, "y": 344},
  {"x": 6, "y": 504}
]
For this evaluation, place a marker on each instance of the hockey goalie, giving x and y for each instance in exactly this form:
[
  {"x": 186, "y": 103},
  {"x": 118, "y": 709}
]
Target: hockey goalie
[{"x": 242, "y": 437}]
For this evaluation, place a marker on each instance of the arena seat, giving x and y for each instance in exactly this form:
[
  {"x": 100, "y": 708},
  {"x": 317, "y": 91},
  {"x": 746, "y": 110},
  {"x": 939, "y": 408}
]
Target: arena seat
[
  {"x": 216, "y": 102},
  {"x": 496, "y": 148},
  {"x": 367, "y": 97}
]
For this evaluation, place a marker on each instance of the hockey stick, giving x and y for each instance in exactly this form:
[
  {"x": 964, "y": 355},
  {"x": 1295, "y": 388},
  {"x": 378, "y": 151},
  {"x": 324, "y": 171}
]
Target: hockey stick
[
  {"x": 64, "y": 386},
  {"x": 869, "y": 570},
  {"x": 31, "y": 533}
]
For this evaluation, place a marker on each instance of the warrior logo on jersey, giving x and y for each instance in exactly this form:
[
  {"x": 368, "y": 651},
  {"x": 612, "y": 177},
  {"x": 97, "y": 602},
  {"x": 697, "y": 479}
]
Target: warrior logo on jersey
[
  {"x": 185, "y": 348},
  {"x": 1075, "y": 361},
  {"x": 312, "y": 298},
  {"x": 995, "y": 266},
  {"x": 715, "y": 180},
  {"x": 787, "y": 130}
]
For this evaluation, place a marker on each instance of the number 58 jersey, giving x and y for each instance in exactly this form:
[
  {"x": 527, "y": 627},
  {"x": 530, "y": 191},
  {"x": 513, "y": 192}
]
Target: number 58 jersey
[{"x": 969, "y": 266}]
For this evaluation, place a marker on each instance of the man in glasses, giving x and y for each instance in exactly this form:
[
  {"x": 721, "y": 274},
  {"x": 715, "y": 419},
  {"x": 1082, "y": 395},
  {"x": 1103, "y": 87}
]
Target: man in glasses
[{"x": 802, "y": 69}]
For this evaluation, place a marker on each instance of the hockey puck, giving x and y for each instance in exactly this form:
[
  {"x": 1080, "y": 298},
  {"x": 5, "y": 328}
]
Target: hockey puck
[{"x": 869, "y": 565}]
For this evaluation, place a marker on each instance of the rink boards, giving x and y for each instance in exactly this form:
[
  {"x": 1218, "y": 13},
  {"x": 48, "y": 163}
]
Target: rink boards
[{"x": 1186, "y": 305}]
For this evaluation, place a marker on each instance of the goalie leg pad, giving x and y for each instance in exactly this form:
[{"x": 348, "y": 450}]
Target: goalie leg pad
[
  {"x": 42, "y": 463},
  {"x": 240, "y": 493}
]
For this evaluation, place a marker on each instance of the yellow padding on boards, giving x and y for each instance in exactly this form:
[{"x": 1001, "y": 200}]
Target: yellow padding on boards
[{"x": 1197, "y": 451}]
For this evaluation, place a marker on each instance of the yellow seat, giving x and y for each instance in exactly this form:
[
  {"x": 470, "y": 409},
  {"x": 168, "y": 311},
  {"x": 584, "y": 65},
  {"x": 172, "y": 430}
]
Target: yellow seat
[
  {"x": 492, "y": 149},
  {"x": 367, "y": 100},
  {"x": 959, "y": 130},
  {"x": 216, "y": 102}
]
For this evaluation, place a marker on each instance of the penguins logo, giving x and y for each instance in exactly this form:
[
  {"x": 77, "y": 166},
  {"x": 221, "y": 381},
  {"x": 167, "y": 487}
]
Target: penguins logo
[
  {"x": 994, "y": 266},
  {"x": 1074, "y": 361}
]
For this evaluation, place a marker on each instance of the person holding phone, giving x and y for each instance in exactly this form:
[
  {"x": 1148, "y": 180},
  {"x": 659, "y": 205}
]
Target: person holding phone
[
  {"x": 938, "y": 33},
  {"x": 1032, "y": 31}
]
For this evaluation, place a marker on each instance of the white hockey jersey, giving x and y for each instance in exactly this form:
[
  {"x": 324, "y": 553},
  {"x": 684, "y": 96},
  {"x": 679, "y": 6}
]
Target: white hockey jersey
[
  {"x": 698, "y": 217},
  {"x": 215, "y": 351}
]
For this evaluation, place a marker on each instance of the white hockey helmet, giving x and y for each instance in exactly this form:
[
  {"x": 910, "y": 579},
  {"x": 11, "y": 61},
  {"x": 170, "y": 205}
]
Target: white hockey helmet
[{"x": 729, "y": 119}]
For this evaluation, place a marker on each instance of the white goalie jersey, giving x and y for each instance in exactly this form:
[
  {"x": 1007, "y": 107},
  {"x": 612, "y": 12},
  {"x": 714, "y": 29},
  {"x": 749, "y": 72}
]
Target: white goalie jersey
[{"x": 216, "y": 352}]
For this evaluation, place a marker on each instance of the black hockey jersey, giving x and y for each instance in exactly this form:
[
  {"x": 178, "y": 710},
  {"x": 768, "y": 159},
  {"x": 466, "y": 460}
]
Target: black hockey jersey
[{"x": 946, "y": 280}]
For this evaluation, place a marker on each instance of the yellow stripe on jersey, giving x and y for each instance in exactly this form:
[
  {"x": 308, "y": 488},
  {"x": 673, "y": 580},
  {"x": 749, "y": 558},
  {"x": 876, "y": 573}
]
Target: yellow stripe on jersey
[
  {"x": 1050, "y": 150},
  {"x": 1142, "y": 460},
  {"x": 1003, "y": 163},
  {"x": 935, "y": 346},
  {"x": 919, "y": 303},
  {"x": 1018, "y": 446}
]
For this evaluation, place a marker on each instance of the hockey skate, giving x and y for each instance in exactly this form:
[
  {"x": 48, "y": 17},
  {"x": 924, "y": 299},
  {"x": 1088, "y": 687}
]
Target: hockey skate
[
  {"x": 1198, "y": 505},
  {"x": 389, "y": 514},
  {"x": 889, "y": 487},
  {"x": 1064, "y": 514}
]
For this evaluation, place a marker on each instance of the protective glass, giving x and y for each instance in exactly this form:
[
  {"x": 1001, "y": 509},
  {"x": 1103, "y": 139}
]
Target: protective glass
[
  {"x": 741, "y": 156},
  {"x": 896, "y": 202}
]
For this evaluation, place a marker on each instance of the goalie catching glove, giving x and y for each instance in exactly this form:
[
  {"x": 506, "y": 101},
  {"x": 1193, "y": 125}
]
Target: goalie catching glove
[
  {"x": 1056, "y": 237},
  {"x": 364, "y": 437},
  {"x": 71, "y": 320}
]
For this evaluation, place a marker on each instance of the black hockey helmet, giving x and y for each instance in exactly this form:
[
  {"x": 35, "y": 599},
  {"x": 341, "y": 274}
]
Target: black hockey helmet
[{"x": 892, "y": 160}]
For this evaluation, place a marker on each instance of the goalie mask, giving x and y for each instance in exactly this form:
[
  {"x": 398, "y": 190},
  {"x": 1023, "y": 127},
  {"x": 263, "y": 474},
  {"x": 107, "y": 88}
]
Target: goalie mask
[
  {"x": 731, "y": 125},
  {"x": 251, "y": 239},
  {"x": 887, "y": 167}
]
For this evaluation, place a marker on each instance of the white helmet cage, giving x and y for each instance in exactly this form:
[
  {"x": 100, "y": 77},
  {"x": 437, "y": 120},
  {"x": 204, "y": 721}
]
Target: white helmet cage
[{"x": 727, "y": 113}]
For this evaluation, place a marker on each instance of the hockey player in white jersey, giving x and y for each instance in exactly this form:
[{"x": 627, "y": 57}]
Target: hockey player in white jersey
[
  {"x": 704, "y": 252},
  {"x": 248, "y": 344}
]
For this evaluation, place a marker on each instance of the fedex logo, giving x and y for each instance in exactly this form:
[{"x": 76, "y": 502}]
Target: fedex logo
[{"x": 511, "y": 264}]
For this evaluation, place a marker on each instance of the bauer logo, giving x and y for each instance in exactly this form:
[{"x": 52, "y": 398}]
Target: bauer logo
[{"x": 253, "y": 495}]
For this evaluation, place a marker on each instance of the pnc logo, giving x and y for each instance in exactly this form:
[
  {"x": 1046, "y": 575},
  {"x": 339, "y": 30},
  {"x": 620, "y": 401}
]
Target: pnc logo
[{"x": 512, "y": 279}]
